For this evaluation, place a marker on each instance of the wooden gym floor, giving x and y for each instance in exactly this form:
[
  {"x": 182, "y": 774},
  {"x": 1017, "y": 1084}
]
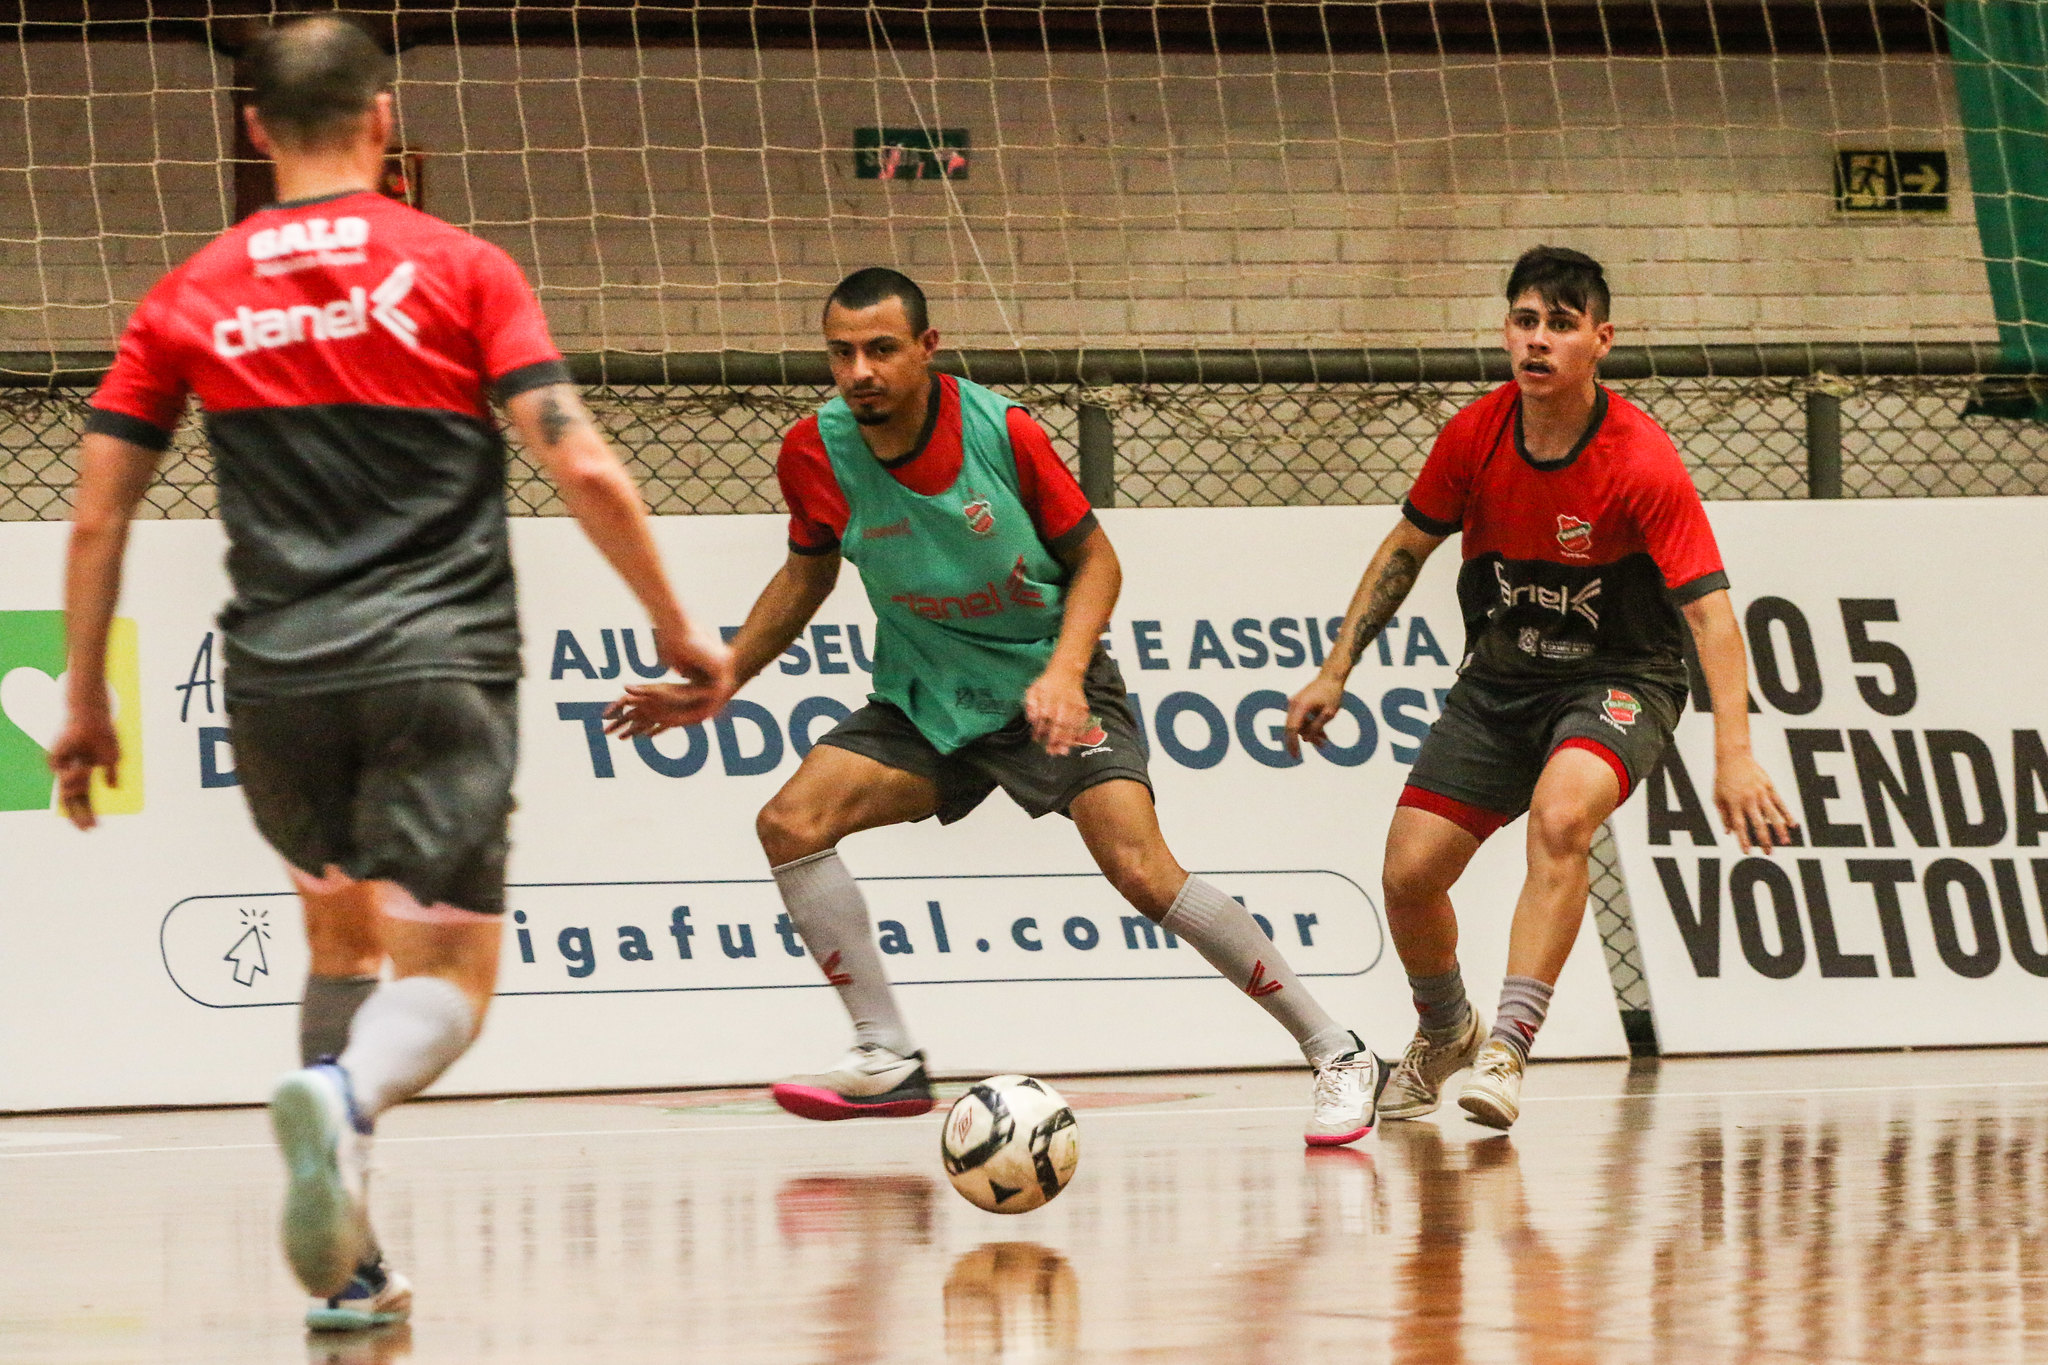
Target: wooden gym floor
[{"x": 1872, "y": 1207}]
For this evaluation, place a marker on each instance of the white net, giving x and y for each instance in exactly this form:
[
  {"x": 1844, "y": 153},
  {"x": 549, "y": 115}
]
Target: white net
[{"x": 672, "y": 184}]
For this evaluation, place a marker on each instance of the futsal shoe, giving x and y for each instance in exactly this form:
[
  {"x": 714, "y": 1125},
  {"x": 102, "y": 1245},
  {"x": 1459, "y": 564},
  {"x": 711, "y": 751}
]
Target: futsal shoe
[
  {"x": 325, "y": 1153},
  {"x": 1417, "y": 1085},
  {"x": 869, "y": 1082},
  {"x": 1493, "y": 1095},
  {"x": 1346, "y": 1097},
  {"x": 375, "y": 1297}
]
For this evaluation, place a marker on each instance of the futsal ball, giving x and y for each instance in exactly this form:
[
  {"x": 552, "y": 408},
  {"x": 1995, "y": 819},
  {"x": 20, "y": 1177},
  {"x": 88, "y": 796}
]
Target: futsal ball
[{"x": 1010, "y": 1144}]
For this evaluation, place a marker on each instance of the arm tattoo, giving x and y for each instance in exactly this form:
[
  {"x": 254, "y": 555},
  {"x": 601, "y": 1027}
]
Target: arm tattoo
[
  {"x": 555, "y": 419},
  {"x": 1387, "y": 595}
]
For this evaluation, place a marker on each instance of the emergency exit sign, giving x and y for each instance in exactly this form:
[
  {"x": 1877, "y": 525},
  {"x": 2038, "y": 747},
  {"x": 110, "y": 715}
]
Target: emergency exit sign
[{"x": 1891, "y": 181}]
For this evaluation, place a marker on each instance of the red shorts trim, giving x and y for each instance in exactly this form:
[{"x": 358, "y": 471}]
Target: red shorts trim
[
  {"x": 1599, "y": 750},
  {"x": 1476, "y": 821}
]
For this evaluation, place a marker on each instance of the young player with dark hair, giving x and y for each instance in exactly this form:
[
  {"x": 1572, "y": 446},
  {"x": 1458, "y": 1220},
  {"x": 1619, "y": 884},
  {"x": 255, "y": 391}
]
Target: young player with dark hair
[
  {"x": 1587, "y": 557},
  {"x": 344, "y": 347},
  {"x": 991, "y": 584}
]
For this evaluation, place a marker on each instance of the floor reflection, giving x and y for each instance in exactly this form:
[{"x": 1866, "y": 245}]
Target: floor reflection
[
  {"x": 1824, "y": 1211},
  {"x": 1017, "y": 1303},
  {"x": 873, "y": 1218},
  {"x": 380, "y": 1347}
]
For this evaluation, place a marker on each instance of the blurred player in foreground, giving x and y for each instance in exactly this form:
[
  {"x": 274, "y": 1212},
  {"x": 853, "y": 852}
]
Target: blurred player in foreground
[
  {"x": 991, "y": 584},
  {"x": 344, "y": 348},
  {"x": 1587, "y": 557}
]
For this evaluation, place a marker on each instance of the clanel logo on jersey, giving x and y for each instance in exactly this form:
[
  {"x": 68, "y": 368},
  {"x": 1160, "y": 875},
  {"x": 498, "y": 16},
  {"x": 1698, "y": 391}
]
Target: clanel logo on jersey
[
  {"x": 266, "y": 329},
  {"x": 1563, "y": 601},
  {"x": 983, "y": 601},
  {"x": 308, "y": 242},
  {"x": 1574, "y": 535}
]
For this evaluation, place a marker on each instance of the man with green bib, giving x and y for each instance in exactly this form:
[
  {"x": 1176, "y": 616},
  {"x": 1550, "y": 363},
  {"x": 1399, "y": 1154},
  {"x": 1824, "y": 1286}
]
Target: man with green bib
[{"x": 991, "y": 584}]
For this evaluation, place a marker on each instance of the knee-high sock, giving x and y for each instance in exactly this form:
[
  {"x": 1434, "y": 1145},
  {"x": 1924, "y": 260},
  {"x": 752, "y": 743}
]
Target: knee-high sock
[
  {"x": 325, "y": 1011},
  {"x": 407, "y": 1033},
  {"x": 1524, "y": 1001},
  {"x": 1225, "y": 934},
  {"x": 329, "y": 1005},
  {"x": 827, "y": 908}
]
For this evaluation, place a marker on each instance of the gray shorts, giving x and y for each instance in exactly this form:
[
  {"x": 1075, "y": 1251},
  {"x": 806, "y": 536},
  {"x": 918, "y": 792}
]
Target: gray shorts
[
  {"x": 1008, "y": 758},
  {"x": 408, "y": 782},
  {"x": 1490, "y": 745}
]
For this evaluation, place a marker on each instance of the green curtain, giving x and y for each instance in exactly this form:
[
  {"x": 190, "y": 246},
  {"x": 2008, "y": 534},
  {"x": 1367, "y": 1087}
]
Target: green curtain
[{"x": 1999, "y": 51}]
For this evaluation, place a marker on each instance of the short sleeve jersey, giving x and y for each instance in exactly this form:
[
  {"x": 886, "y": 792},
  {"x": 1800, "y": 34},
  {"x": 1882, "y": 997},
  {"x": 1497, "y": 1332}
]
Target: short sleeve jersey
[
  {"x": 1574, "y": 568},
  {"x": 344, "y": 351},
  {"x": 817, "y": 505}
]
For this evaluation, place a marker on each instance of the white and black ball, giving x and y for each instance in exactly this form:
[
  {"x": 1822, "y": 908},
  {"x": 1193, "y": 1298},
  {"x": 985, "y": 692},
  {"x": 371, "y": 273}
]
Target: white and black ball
[{"x": 1010, "y": 1144}]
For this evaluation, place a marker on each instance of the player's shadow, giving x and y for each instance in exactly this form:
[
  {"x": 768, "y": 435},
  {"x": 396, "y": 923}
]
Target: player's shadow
[
  {"x": 875, "y": 1217},
  {"x": 1012, "y": 1302}
]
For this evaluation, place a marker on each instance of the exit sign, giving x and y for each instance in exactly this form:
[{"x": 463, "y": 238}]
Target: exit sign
[
  {"x": 910, "y": 153},
  {"x": 1891, "y": 181}
]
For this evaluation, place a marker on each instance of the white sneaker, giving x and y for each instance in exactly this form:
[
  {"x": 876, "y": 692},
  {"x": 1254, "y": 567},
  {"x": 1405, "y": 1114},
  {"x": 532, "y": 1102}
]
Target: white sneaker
[
  {"x": 325, "y": 1231},
  {"x": 1346, "y": 1097},
  {"x": 1493, "y": 1094},
  {"x": 375, "y": 1297},
  {"x": 869, "y": 1082},
  {"x": 1417, "y": 1084}
]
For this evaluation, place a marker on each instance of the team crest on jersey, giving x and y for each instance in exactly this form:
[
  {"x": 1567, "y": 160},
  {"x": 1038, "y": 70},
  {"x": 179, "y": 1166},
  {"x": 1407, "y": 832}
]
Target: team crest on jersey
[
  {"x": 1620, "y": 709},
  {"x": 981, "y": 518},
  {"x": 1574, "y": 535}
]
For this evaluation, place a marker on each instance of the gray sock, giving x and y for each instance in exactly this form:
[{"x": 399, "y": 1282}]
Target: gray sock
[
  {"x": 1440, "y": 1002},
  {"x": 329, "y": 1004},
  {"x": 1523, "y": 1002},
  {"x": 406, "y": 1034},
  {"x": 1225, "y": 934},
  {"x": 829, "y": 911}
]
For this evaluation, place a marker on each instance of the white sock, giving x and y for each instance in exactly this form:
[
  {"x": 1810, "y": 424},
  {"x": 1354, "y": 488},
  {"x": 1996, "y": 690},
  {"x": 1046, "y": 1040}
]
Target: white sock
[
  {"x": 406, "y": 1034},
  {"x": 1226, "y": 935},
  {"x": 826, "y": 905}
]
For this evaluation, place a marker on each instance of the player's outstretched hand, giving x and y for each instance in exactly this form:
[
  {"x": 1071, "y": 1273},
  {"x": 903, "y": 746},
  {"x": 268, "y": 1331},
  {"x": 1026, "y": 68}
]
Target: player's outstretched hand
[
  {"x": 704, "y": 663},
  {"x": 87, "y": 745},
  {"x": 707, "y": 685},
  {"x": 1749, "y": 804},
  {"x": 1312, "y": 708},
  {"x": 1057, "y": 708}
]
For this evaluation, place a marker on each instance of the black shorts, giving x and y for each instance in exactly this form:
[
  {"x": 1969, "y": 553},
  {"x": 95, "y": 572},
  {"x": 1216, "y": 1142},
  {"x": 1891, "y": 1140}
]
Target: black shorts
[
  {"x": 1008, "y": 758},
  {"x": 1490, "y": 745},
  {"x": 408, "y": 782}
]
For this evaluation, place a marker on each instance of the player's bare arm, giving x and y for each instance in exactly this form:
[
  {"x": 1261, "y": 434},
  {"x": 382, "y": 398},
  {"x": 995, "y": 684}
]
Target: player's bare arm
[
  {"x": 1749, "y": 804},
  {"x": 113, "y": 474},
  {"x": 1055, "y": 704},
  {"x": 779, "y": 615},
  {"x": 1381, "y": 591},
  {"x": 602, "y": 497}
]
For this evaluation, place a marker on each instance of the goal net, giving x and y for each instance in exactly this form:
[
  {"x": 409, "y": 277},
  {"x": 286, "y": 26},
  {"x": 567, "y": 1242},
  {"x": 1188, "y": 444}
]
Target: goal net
[{"x": 684, "y": 178}]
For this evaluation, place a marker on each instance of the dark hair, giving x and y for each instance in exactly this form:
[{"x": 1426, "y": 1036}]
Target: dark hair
[
  {"x": 866, "y": 288},
  {"x": 1561, "y": 276},
  {"x": 311, "y": 79}
]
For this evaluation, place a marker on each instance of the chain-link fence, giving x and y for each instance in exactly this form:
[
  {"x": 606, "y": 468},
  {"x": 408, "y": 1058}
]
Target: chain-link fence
[{"x": 705, "y": 449}]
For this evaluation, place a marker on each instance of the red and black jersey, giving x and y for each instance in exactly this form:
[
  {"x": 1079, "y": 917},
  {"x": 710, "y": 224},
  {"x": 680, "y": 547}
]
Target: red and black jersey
[
  {"x": 1574, "y": 568},
  {"x": 817, "y": 505},
  {"x": 344, "y": 351}
]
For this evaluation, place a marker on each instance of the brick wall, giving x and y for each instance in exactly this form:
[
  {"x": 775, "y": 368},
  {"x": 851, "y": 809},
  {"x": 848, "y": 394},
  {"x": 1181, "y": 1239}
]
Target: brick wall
[{"x": 688, "y": 200}]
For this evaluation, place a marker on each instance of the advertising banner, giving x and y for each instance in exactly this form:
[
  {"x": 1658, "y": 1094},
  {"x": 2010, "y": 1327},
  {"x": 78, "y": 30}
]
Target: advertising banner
[
  {"x": 157, "y": 959},
  {"x": 1900, "y": 711}
]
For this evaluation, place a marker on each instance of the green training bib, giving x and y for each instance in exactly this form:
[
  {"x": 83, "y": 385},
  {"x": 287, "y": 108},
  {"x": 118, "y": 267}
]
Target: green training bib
[{"x": 968, "y": 600}]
